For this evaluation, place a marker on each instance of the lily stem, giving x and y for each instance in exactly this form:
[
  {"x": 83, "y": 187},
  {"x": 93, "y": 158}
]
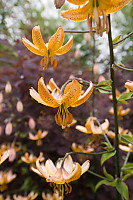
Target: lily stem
[
  {"x": 102, "y": 177},
  {"x": 117, "y": 161}
]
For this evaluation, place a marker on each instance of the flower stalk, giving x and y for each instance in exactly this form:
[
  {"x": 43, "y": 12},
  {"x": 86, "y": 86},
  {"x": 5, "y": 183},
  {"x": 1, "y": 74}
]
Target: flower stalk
[{"x": 117, "y": 161}]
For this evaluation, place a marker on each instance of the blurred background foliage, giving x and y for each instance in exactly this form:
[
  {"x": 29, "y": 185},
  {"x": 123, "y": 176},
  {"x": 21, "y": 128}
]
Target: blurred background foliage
[{"x": 21, "y": 68}]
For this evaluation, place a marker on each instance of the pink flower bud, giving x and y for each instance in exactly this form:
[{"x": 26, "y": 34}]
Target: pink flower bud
[
  {"x": 1, "y": 97},
  {"x": 87, "y": 37},
  {"x": 32, "y": 123},
  {"x": 77, "y": 53},
  {"x": 19, "y": 106},
  {"x": 12, "y": 155},
  {"x": 8, "y": 88},
  {"x": 101, "y": 78},
  {"x": 96, "y": 69},
  {"x": 59, "y": 3},
  {"x": 8, "y": 128}
]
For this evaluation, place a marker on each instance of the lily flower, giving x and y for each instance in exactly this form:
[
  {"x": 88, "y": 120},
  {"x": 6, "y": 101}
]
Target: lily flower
[
  {"x": 30, "y": 158},
  {"x": 7, "y": 197},
  {"x": 48, "y": 196},
  {"x": 94, "y": 9},
  {"x": 31, "y": 196},
  {"x": 54, "y": 46},
  {"x": 3, "y": 156},
  {"x": 40, "y": 135},
  {"x": 120, "y": 112},
  {"x": 71, "y": 98},
  {"x": 5, "y": 178},
  {"x": 62, "y": 173},
  {"x": 80, "y": 148},
  {"x": 129, "y": 85},
  {"x": 90, "y": 127},
  {"x": 121, "y": 131}
]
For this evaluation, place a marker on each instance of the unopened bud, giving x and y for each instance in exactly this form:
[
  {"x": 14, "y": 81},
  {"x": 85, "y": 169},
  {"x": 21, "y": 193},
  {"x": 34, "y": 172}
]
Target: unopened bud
[
  {"x": 8, "y": 87},
  {"x": 32, "y": 123},
  {"x": 96, "y": 69},
  {"x": 19, "y": 106},
  {"x": 77, "y": 53},
  {"x": 8, "y": 128},
  {"x": 101, "y": 78},
  {"x": 87, "y": 37},
  {"x": 59, "y": 3},
  {"x": 1, "y": 97},
  {"x": 12, "y": 155},
  {"x": 1, "y": 108}
]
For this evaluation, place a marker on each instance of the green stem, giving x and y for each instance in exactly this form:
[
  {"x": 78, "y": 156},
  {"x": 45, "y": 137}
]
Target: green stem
[
  {"x": 117, "y": 161},
  {"x": 77, "y": 31},
  {"x": 102, "y": 177},
  {"x": 127, "y": 157},
  {"x": 124, "y": 38},
  {"x": 93, "y": 76}
]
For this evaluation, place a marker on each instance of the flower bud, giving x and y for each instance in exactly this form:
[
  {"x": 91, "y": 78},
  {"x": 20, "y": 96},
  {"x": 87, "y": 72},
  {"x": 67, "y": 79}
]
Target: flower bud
[
  {"x": 8, "y": 128},
  {"x": 77, "y": 53},
  {"x": 1, "y": 107},
  {"x": 59, "y": 3},
  {"x": 96, "y": 69},
  {"x": 32, "y": 123},
  {"x": 1, "y": 97},
  {"x": 101, "y": 78},
  {"x": 19, "y": 106},
  {"x": 12, "y": 155},
  {"x": 87, "y": 37},
  {"x": 129, "y": 85},
  {"x": 0, "y": 130},
  {"x": 8, "y": 88}
]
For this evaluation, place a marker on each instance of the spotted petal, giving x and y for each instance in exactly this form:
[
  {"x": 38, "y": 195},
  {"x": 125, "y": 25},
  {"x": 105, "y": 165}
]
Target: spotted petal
[
  {"x": 38, "y": 40},
  {"x": 56, "y": 41},
  {"x": 32, "y": 47},
  {"x": 84, "y": 97},
  {"x": 72, "y": 95},
  {"x": 77, "y": 2},
  {"x": 64, "y": 49},
  {"x": 45, "y": 94}
]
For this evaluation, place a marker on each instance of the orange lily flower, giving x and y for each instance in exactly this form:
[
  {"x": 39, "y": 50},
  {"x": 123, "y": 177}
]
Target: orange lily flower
[
  {"x": 59, "y": 174},
  {"x": 94, "y": 9},
  {"x": 127, "y": 148},
  {"x": 71, "y": 98},
  {"x": 31, "y": 196},
  {"x": 80, "y": 148},
  {"x": 48, "y": 196},
  {"x": 30, "y": 158},
  {"x": 90, "y": 127},
  {"x": 117, "y": 95},
  {"x": 111, "y": 134},
  {"x": 3, "y": 156},
  {"x": 129, "y": 85},
  {"x": 40, "y": 135},
  {"x": 120, "y": 112},
  {"x": 7, "y": 197},
  {"x": 5, "y": 178},
  {"x": 54, "y": 46}
]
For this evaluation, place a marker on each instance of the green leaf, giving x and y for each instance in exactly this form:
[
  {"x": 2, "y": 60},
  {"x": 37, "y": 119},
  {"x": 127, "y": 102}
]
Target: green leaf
[
  {"x": 125, "y": 96},
  {"x": 126, "y": 139},
  {"x": 127, "y": 166},
  {"x": 104, "y": 182},
  {"x": 123, "y": 102},
  {"x": 122, "y": 189},
  {"x": 103, "y": 91},
  {"x": 106, "y": 144},
  {"x": 116, "y": 39},
  {"x": 106, "y": 156},
  {"x": 107, "y": 174},
  {"x": 127, "y": 176},
  {"x": 105, "y": 82}
]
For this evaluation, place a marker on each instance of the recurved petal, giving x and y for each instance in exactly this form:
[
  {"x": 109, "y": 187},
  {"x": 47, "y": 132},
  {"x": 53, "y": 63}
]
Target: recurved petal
[
  {"x": 4, "y": 156},
  {"x": 77, "y": 2},
  {"x": 36, "y": 171},
  {"x": 72, "y": 95},
  {"x": 78, "y": 14},
  {"x": 37, "y": 97},
  {"x": 74, "y": 175},
  {"x": 53, "y": 85},
  {"x": 45, "y": 94},
  {"x": 38, "y": 40},
  {"x": 85, "y": 166},
  {"x": 65, "y": 48},
  {"x": 105, "y": 125},
  {"x": 32, "y": 137},
  {"x": 56, "y": 41},
  {"x": 50, "y": 167},
  {"x": 81, "y": 128},
  {"x": 32, "y": 47},
  {"x": 125, "y": 112},
  {"x": 41, "y": 170},
  {"x": 84, "y": 97},
  {"x": 68, "y": 164},
  {"x": 129, "y": 85}
]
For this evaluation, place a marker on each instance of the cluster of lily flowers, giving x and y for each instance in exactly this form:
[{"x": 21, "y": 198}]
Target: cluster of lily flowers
[{"x": 69, "y": 95}]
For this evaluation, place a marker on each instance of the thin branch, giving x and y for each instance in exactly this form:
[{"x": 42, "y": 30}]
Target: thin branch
[
  {"x": 123, "y": 38},
  {"x": 124, "y": 68},
  {"x": 102, "y": 177},
  {"x": 77, "y": 31}
]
